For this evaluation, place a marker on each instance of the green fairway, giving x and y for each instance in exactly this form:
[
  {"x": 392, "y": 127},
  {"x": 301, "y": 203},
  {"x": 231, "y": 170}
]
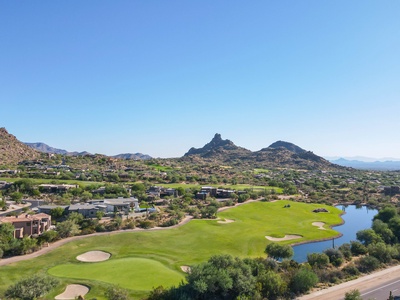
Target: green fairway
[
  {"x": 277, "y": 190},
  {"x": 52, "y": 181},
  {"x": 167, "y": 250},
  {"x": 131, "y": 273}
]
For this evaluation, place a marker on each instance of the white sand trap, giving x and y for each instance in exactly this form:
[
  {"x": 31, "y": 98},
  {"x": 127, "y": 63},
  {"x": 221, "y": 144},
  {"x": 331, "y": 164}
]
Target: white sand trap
[
  {"x": 285, "y": 238},
  {"x": 93, "y": 256},
  {"x": 320, "y": 225},
  {"x": 226, "y": 221},
  {"x": 72, "y": 291},
  {"x": 185, "y": 269}
]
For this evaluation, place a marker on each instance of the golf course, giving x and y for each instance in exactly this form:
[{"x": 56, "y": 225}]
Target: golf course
[{"x": 141, "y": 260}]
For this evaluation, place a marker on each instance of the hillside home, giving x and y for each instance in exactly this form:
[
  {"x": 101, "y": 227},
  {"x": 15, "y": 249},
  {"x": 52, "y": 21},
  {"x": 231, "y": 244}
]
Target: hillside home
[
  {"x": 28, "y": 225},
  {"x": 118, "y": 205}
]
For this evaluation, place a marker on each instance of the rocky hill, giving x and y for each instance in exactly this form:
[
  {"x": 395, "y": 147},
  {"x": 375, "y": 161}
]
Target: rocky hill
[
  {"x": 13, "y": 151},
  {"x": 278, "y": 155},
  {"x": 219, "y": 149},
  {"x": 42, "y": 147}
]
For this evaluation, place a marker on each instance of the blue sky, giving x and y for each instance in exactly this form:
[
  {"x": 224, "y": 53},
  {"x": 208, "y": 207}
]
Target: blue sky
[{"x": 159, "y": 77}]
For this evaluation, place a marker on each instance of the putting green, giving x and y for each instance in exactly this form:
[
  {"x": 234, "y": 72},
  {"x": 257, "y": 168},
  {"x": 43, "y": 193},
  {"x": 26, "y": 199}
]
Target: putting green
[{"x": 139, "y": 274}]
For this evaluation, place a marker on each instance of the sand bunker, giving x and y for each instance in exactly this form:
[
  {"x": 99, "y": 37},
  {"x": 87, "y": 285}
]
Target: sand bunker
[
  {"x": 285, "y": 238},
  {"x": 185, "y": 269},
  {"x": 93, "y": 256},
  {"x": 72, "y": 291},
  {"x": 226, "y": 221},
  {"x": 320, "y": 225}
]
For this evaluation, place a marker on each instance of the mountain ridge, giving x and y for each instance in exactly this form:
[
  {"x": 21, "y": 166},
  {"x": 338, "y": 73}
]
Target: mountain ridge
[
  {"x": 42, "y": 147},
  {"x": 388, "y": 165},
  {"x": 278, "y": 154}
]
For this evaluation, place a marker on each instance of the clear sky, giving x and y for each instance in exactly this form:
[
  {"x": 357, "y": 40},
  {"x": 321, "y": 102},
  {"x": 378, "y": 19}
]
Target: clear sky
[{"x": 159, "y": 77}]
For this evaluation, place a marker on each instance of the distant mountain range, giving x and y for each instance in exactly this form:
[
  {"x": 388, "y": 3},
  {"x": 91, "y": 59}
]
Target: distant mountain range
[
  {"x": 279, "y": 155},
  {"x": 42, "y": 147},
  {"x": 389, "y": 165}
]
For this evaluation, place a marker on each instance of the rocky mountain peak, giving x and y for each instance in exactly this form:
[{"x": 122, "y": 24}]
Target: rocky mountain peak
[{"x": 217, "y": 144}]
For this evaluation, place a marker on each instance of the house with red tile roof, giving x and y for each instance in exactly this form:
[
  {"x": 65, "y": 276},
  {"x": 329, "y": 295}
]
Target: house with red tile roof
[{"x": 28, "y": 225}]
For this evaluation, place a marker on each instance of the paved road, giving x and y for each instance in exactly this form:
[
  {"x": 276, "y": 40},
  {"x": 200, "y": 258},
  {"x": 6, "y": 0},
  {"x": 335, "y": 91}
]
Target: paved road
[
  {"x": 375, "y": 286},
  {"x": 383, "y": 291}
]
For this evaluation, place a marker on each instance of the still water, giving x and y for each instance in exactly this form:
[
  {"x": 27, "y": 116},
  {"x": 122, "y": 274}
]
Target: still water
[{"x": 356, "y": 218}]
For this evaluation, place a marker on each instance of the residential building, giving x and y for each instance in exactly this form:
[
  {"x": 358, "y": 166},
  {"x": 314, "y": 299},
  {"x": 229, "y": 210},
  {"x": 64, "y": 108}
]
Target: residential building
[{"x": 28, "y": 225}]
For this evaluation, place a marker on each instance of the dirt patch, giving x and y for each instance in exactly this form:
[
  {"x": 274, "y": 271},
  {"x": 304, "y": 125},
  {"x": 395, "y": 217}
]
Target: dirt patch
[
  {"x": 185, "y": 269},
  {"x": 285, "y": 238},
  {"x": 320, "y": 225},
  {"x": 226, "y": 221},
  {"x": 94, "y": 256},
  {"x": 72, "y": 291}
]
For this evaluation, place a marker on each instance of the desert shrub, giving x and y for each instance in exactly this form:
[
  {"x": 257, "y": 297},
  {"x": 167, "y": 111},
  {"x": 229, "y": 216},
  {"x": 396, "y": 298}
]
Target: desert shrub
[
  {"x": 146, "y": 224},
  {"x": 358, "y": 248},
  {"x": 351, "y": 270},
  {"x": 31, "y": 288},
  {"x": 367, "y": 264},
  {"x": 335, "y": 256},
  {"x": 116, "y": 293},
  {"x": 318, "y": 260}
]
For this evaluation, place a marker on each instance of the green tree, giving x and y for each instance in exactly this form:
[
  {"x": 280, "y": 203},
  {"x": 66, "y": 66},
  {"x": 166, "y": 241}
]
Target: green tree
[
  {"x": 318, "y": 260},
  {"x": 394, "y": 225},
  {"x": 99, "y": 214},
  {"x": 385, "y": 214},
  {"x": 31, "y": 288},
  {"x": 221, "y": 277},
  {"x": 16, "y": 196},
  {"x": 368, "y": 236},
  {"x": 25, "y": 186},
  {"x": 6, "y": 233},
  {"x": 335, "y": 256},
  {"x": 76, "y": 217},
  {"x": 383, "y": 230},
  {"x": 67, "y": 228},
  {"x": 48, "y": 236},
  {"x": 57, "y": 212},
  {"x": 86, "y": 196},
  {"x": 278, "y": 251},
  {"x": 357, "y": 248},
  {"x": 303, "y": 280},
  {"x": 382, "y": 252},
  {"x": 272, "y": 285}
]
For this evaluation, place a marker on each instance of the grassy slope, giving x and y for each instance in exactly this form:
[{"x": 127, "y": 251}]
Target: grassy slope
[
  {"x": 51, "y": 181},
  {"x": 228, "y": 186},
  {"x": 192, "y": 243}
]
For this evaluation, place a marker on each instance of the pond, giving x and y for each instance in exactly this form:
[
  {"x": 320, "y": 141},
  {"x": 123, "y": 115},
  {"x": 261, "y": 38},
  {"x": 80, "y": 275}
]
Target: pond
[{"x": 355, "y": 218}]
